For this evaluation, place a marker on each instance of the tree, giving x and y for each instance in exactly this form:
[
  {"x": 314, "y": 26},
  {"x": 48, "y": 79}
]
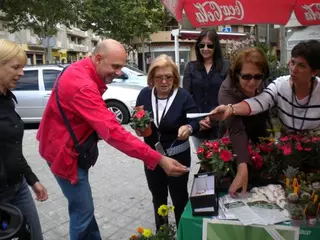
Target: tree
[
  {"x": 40, "y": 15},
  {"x": 124, "y": 20}
]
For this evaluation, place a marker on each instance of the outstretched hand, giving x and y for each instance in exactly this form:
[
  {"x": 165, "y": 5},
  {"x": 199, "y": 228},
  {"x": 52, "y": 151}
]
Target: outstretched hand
[
  {"x": 221, "y": 113},
  {"x": 172, "y": 167}
]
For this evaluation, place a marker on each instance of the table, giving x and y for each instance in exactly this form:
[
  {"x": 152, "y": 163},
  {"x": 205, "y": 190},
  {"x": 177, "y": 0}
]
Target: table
[{"x": 190, "y": 227}]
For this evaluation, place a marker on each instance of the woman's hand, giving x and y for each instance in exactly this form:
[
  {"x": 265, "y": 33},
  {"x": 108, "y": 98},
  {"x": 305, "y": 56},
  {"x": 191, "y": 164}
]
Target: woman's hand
[
  {"x": 205, "y": 124},
  {"x": 184, "y": 132},
  {"x": 240, "y": 181},
  {"x": 40, "y": 191},
  {"x": 221, "y": 112},
  {"x": 172, "y": 167}
]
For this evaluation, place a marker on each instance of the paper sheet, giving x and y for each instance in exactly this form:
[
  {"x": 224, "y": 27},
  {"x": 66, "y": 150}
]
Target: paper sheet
[{"x": 196, "y": 115}]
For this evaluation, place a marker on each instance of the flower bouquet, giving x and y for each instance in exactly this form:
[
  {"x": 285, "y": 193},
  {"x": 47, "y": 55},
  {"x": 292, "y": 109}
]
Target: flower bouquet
[
  {"x": 217, "y": 157},
  {"x": 141, "y": 121},
  {"x": 166, "y": 231}
]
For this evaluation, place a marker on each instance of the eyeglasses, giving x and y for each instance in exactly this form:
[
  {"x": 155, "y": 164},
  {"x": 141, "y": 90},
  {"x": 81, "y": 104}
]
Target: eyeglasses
[
  {"x": 202, "y": 45},
  {"x": 163, "y": 77},
  {"x": 248, "y": 77}
]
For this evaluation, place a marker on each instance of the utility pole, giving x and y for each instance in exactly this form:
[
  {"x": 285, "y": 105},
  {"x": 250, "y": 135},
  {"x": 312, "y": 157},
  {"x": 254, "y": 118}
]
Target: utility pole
[
  {"x": 268, "y": 35},
  {"x": 283, "y": 48}
]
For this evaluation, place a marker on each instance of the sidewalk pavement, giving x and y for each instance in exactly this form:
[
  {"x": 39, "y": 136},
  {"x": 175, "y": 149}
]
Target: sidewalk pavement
[{"x": 120, "y": 192}]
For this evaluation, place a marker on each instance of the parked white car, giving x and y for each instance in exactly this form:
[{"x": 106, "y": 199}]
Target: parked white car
[{"x": 34, "y": 89}]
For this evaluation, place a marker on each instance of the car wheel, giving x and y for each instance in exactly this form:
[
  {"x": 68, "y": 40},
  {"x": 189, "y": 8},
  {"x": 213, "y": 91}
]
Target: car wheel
[{"x": 119, "y": 110}]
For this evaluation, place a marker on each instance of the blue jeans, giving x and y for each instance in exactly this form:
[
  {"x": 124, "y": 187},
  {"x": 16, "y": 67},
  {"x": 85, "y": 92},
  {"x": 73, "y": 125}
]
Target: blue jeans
[
  {"x": 83, "y": 224},
  {"x": 20, "y": 196}
]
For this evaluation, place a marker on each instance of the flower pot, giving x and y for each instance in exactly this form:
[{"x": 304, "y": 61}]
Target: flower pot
[
  {"x": 296, "y": 222},
  {"x": 205, "y": 168},
  {"x": 311, "y": 220},
  {"x": 147, "y": 131}
]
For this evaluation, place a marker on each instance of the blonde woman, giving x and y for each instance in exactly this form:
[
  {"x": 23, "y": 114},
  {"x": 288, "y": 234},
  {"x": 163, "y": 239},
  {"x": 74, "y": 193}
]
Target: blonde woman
[
  {"x": 171, "y": 129},
  {"x": 15, "y": 173}
]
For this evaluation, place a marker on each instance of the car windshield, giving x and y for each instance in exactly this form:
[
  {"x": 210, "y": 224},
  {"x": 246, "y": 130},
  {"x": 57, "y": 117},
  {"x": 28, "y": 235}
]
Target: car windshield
[{"x": 134, "y": 71}]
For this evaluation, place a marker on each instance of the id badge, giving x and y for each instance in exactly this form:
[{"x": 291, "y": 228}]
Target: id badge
[{"x": 159, "y": 148}]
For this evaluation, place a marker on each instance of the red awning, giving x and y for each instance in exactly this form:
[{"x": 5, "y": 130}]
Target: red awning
[
  {"x": 193, "y": 35},
  {"x": 205, "y": 13}
]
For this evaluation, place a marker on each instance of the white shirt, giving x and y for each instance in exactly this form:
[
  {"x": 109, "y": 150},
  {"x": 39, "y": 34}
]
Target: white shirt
[{"x": 279, "y": 93}]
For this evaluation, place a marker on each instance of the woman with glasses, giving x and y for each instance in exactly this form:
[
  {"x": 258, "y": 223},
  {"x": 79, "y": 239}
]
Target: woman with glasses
[
  {"x": 169, "y": 106},
  {"x": 202, "y": 79},
  {"x": 246, "y": 79},
  {"x": 297, "y": 96}
]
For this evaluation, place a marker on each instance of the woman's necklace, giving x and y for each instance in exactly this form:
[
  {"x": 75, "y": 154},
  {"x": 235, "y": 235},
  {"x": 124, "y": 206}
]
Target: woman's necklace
[{"x": 294, "y": 99}]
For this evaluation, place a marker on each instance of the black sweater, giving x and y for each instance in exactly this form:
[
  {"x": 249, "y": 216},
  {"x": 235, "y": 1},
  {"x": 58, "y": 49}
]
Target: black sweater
[{"x": 13, "y": 165}]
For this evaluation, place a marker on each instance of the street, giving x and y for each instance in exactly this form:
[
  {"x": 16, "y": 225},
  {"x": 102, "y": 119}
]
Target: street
[{"x": 121, "y": 196}]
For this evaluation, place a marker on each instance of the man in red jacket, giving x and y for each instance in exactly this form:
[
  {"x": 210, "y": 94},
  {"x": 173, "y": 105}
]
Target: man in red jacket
[{"x": 80, "y": 91}]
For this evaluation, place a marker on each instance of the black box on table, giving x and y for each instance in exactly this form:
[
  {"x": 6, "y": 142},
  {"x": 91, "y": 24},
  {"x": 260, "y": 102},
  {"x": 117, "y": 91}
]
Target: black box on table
[{"x": 204, "y": 195}]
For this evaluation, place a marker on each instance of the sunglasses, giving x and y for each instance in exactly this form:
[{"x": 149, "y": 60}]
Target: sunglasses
[
  {"x": 163, "y": 77},
  {"x": 248, "y": 77},
  {"x": 202, "y": 45}
]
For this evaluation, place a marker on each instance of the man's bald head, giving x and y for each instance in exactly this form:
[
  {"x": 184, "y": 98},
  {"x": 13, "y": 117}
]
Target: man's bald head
[
  {"x": 106, "y": 45},
  {"x": 108, "y": 58}
]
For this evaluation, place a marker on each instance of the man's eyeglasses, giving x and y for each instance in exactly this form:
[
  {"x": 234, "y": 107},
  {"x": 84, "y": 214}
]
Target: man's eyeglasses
[
  {"x": 163, "y": 77},
  {"x": 202, "y": 45},
  {"x": 248, "y": 77}
]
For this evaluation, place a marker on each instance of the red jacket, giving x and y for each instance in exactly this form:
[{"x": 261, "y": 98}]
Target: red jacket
[{"x": 80, "y": 91}]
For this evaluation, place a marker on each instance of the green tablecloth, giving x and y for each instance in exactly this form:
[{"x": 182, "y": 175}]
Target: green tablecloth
[{"x": 190, "y": 228}]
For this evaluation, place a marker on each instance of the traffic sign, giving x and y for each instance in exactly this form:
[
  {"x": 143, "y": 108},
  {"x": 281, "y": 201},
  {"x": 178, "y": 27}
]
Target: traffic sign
[{"x": 226, "y": 29}]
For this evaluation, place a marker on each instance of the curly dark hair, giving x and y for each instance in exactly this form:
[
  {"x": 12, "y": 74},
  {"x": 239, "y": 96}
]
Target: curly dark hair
[
  {"x": 310, "y": 51},
  {"x": 217, "y": 55}
]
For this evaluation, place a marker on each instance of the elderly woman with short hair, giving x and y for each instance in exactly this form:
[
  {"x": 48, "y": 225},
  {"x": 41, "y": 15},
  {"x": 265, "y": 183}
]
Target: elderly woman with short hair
[
  {"x": 169, "y": 105},
  {"x": 15, "y": 173}
]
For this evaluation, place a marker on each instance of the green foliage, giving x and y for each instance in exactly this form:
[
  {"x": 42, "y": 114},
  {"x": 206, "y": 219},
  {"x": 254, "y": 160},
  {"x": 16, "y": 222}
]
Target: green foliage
[
  {"x": 275, "y": 70},
  {"x": 40, "y": 15},
  {"x": 124, "y": 19},
  {"x": 297, "y": 212}
]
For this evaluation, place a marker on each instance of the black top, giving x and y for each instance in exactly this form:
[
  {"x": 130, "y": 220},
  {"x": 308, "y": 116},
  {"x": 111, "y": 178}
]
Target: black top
[
  {"x": 172, "y": 120},
  {"x": 13, "y": 165},
  {"x": 204, "y": 87}
]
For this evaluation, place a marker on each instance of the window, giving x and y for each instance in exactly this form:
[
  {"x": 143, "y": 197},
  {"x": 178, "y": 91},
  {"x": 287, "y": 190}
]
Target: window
[
  {"x": 247, "y": 29},
  {"x": 29, "y": 81},
  {"x": 49, "y": 77}
]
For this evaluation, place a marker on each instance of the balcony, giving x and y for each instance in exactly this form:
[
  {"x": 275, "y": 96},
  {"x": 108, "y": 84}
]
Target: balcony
[
  {"x": 77, "y": 47},
  {"x": 77, "y": 32},
  {"x": 95, "y": 37},
  {"x": 58, "y": 44}
]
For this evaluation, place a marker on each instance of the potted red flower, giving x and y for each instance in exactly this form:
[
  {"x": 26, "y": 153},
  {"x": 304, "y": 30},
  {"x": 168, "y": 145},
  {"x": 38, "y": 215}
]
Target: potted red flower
[
  {"x": 141, "y": 121},
  {"x": 217, "y": 157}
]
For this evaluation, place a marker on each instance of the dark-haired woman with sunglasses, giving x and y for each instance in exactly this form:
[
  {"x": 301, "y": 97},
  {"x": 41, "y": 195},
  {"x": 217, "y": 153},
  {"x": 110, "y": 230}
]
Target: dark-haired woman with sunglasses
[
  {"x": 246, "y": 79},
  {"x": 202, "y": 79}
]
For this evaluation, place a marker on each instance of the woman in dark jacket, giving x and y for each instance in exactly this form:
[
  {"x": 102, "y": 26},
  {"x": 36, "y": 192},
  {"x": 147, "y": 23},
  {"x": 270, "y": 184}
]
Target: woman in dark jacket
[
  {"x": 246, "y": 79},
  {"x": 171, "y": 129},
  {"x": 202, "y": 79},
  {"x": 15, "y": 173}
]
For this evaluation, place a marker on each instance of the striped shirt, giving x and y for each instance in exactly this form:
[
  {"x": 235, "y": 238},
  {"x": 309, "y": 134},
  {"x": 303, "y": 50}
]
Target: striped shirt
[{"x": 294, "y": 115}]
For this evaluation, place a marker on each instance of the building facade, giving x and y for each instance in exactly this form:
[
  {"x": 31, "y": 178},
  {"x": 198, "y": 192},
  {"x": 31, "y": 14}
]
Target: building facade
[{"x": 69, "y": 44}]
